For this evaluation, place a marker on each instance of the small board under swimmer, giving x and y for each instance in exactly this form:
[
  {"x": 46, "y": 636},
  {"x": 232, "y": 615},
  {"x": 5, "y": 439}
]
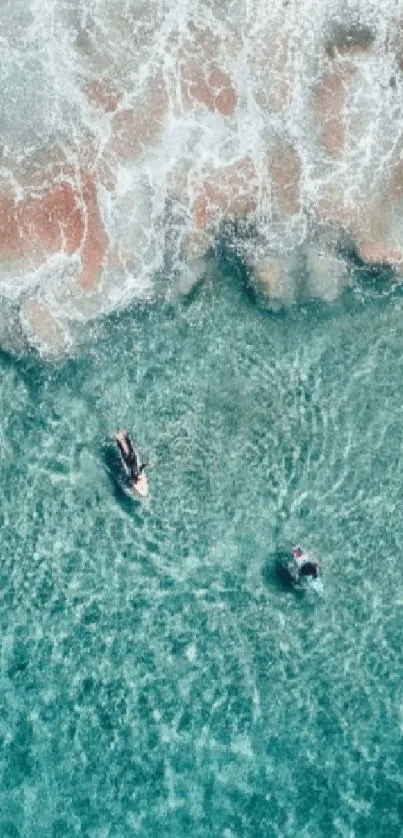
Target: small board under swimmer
[{"x": 132, "y": 465}]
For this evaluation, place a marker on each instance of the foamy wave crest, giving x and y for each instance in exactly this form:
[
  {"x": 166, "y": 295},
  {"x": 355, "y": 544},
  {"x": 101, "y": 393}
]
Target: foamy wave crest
[{"x": 135, "y": 133}]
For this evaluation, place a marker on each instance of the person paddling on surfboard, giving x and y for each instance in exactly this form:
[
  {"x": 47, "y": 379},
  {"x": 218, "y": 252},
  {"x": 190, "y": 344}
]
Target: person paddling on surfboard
[
  {"x": 306, "y": 564},
  {"x": 135, "y": 470}
]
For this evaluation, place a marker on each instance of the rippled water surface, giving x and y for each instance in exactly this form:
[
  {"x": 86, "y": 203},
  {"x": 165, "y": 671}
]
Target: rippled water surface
[{"x": 156, "y": 680}]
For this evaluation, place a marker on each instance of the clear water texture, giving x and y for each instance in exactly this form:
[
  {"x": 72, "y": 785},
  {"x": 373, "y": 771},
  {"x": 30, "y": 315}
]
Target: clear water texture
[{"x": 156, "y": 679}]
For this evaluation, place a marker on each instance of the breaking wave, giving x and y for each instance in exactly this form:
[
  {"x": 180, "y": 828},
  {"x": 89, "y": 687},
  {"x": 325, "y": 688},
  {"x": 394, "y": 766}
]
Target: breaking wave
[{"x": 134, "y": 134}]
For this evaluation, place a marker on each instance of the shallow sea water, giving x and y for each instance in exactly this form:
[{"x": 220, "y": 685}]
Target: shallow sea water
[{"x": 156, "y": 680}]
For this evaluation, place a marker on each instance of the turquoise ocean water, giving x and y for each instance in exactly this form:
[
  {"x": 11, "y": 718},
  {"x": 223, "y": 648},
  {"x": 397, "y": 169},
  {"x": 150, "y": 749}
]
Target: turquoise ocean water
[{"x": 156, "y": 680}]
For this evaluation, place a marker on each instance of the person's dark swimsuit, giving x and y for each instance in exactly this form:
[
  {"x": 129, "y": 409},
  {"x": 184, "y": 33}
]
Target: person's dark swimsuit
[
  {"x": 130, "y": 458},
  {"x": 309, "y": 569}
]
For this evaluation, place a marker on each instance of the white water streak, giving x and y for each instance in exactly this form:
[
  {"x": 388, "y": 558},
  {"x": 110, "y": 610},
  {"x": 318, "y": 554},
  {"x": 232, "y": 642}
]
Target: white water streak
[{"x": 286, "y": 116}]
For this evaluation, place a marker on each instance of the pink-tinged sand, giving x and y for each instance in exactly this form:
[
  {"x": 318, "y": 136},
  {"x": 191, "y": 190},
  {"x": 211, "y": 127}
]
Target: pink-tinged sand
[{"x": 63, "y": 217}]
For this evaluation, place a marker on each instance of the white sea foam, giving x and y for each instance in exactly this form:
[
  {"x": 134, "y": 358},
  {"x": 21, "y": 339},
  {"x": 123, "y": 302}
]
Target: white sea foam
[{"x": 191, "y": 114}]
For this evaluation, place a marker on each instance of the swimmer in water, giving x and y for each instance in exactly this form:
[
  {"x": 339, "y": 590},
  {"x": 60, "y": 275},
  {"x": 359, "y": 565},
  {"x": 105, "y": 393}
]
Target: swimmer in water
[
  {"x": 306, "y": 564},
  {"x": 135, "y": 470}
]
